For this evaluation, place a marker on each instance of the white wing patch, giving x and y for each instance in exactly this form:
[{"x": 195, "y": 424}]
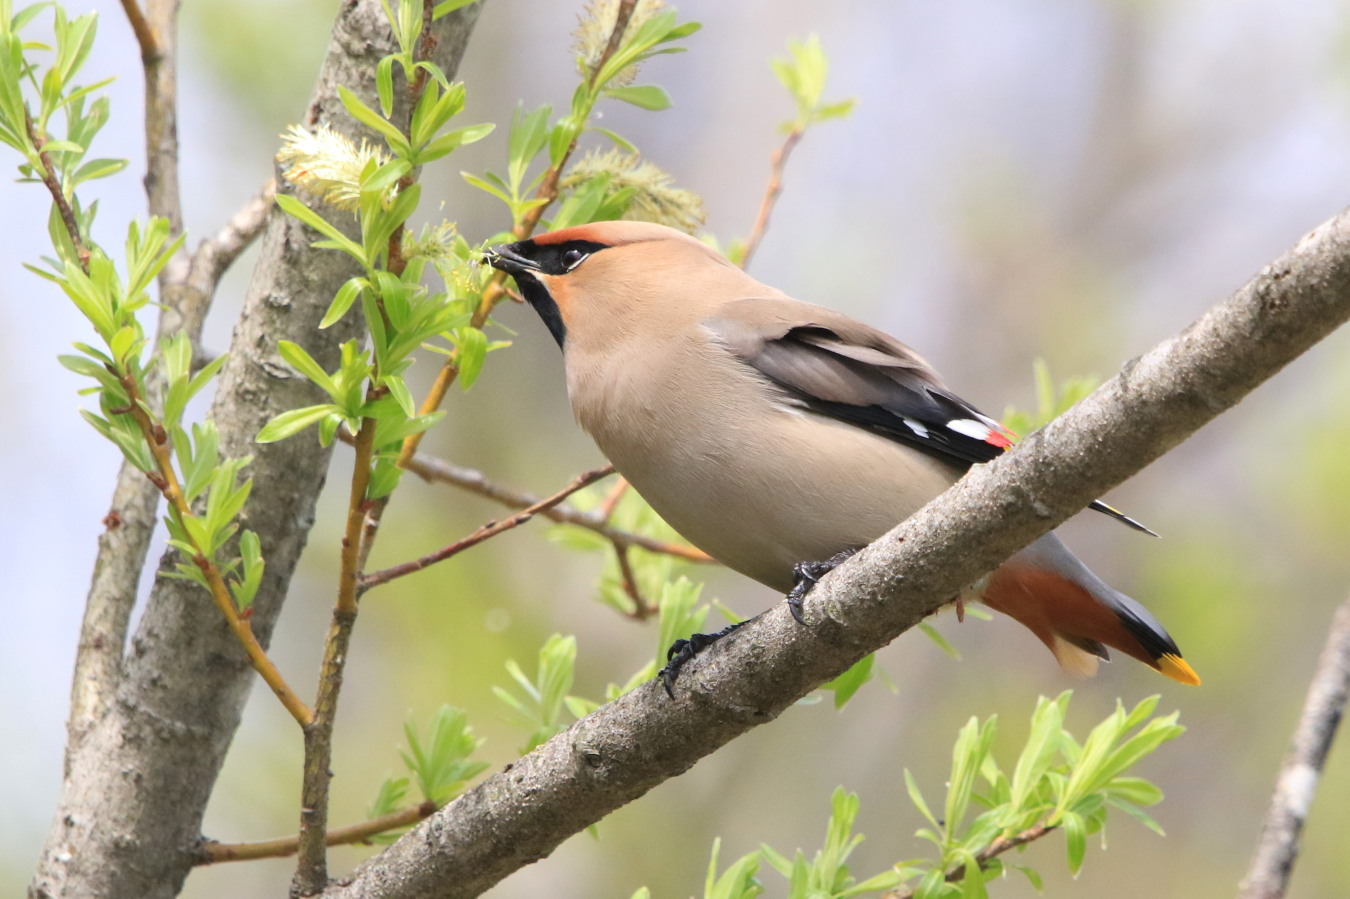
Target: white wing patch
[
  {"x": 970, "y": 427},
  {"x": 916, "y": 426}
]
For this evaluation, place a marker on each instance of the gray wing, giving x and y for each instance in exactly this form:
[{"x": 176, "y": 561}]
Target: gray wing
[{"x": 836, "y": 366}]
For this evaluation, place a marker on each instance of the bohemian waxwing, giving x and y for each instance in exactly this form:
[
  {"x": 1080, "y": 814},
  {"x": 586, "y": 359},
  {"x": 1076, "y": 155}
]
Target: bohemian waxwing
[{"x": 771, "y": 432}]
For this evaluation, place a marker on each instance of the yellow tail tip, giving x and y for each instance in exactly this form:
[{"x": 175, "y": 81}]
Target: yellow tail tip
[{"x": 1175, "y": 667}]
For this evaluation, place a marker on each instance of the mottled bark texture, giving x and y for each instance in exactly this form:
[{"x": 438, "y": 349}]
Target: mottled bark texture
[
  {"x": 129, "y": 816},
  {"x": 625, "y": 748}
]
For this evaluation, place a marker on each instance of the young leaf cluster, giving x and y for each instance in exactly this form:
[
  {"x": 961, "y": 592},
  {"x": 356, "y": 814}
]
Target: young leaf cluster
[
  {"x": 401, "y": 314},
  {"x": 803, "y": 72},
  {"x": 650, "y": 32},
  {"x": 1051, "y": 400},
  {"x": 439, "y": 764},
  {"x": 1055, "y": 783},
  {"x": 26, "y": 124}
]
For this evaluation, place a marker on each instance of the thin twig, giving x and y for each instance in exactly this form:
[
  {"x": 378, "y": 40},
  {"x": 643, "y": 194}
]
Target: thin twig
[
  {"x": 611, "y": 500},
  {"x": 162, "y": 187},
  {"x": 495, "y": 290},
  {"x": 487, "y": 531},
  {"x": 1273, "y": 861},
  {"x": 145, "y": 35},
  {"x": 217, "y": 253},
  {"x": 621, "y": 20},
  {"x": 311, "y": 873},
  {"x": 210, "y": 852},
  {"x": 431, "y": 468},
  {"x": 363, "y": 522},
  {"x": 166, "y": 479},
  {"x": 63, "y": 206},
  {"x": 772, "y": 189},
  {"x": 642, "y": 610},
  {"x": 983, "y": 857}
]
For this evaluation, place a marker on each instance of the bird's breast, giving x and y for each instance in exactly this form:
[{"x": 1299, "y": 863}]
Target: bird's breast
[{"x": 728, "y": 461}]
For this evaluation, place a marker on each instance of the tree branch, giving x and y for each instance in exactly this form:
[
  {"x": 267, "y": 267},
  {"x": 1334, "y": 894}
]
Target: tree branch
[
  {"x": 486, "y": 532},
  {"x": 1273, "y": 861},
  {"x": 622, "y": 750},
  {"x": 431, "y": 468},
  {"x": 145, "y": 35},
  {"x": 217, "y": 253},
  {"x": 999, "y": 846},
  {"x": 136, "y": 786},
  {"x": 774, "y": 187},
  {"x": 54, "y": 188},
  {"x": 211, "y": 852}
]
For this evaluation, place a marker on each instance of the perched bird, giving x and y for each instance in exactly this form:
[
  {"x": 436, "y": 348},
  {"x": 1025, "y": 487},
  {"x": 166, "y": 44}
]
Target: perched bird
[{"x": 771, "y": 432}]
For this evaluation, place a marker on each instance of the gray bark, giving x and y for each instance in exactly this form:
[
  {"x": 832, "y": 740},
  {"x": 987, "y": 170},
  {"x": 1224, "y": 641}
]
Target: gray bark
[
  {"x": 625, "y": 748},
  {"x": 1277, "y": 850},
  {"x": 129, "y": 816}
]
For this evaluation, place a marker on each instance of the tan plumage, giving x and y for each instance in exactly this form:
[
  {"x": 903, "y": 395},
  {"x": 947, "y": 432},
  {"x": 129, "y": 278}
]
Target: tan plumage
[{"x": 770, "y": 432}]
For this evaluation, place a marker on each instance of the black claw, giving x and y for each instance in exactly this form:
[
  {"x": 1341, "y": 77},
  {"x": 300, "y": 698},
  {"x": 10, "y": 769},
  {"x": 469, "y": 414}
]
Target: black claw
[
  {"x": 806, "y": 575},
  {"x": 683, "y": 651}
]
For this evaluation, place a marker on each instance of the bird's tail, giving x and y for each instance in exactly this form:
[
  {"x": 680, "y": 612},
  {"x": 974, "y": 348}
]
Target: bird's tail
[{"x": 1077, "y": 615}]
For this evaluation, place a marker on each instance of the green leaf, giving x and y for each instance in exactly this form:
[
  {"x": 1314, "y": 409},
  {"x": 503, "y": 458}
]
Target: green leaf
[
  {"x": 386, "y": 176},
  {"x": 445, "y": 7},
  {"x": 453, "y": 140},
  {"x": 398, "y": 389},
  {"x": 336, "y": 239},
  {"x": 293, "y": 422},
  {"x": 300, "y": 360},
  {"x": 1047, "y": 725},
  {"x": 916, "y": 797},
  {"x": 208, "y": 371},
  {"x": 646, "y": 96},
  {"x": 851, "y": 681},
  {"x": 483, "y": 185},
  {"x": 529, "y": 133},
  {"x": 470, "y": 352},
  {"x": 372, "y": 119},
  {"x": 1075, "y": 838},
  {"x": 384, "y": 84},
  {"x": 621, "y": 142},
  {"x": 342, "y": 302},
  {"x": 246, "y": 589}
]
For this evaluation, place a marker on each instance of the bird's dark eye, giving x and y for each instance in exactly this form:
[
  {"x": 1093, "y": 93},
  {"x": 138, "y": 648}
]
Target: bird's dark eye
[{"x": 570, "y": 259}]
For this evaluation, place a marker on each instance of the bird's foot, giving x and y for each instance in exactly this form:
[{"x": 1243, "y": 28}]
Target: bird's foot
[
  {"x": 805, "y": 575},
  {"x": 682, "y": 651}
]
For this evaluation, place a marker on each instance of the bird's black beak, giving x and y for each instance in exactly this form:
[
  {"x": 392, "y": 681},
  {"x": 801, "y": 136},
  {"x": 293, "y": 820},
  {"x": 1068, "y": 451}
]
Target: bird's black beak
[{"x": 508, "y": 258}]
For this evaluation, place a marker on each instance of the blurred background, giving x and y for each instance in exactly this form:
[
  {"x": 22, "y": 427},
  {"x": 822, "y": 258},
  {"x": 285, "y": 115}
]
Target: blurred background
[{"x": 1074, "y": 180}]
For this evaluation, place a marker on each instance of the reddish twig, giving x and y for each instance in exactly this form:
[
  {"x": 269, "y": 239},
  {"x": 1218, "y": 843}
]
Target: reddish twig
[
  {"x": 984, "y": 856},
  {"x": 210, "y": 852},
  {"x": 771, "y": 191},
  {"x": 63, "y": 207},
  {"x": 487, "y": 531},
  {"x": 1273, "y": 861},
  {"x": 431, "y": 468},
  {"x": 642, "y": 610},
  {"x": 611, "y": 500}
]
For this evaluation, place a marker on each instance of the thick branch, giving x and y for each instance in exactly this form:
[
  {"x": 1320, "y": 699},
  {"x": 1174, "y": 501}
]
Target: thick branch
[
  {"x": 1273, "y": 862},
  {"x": 131, "y": 806},
  {"x": 625, "y": 748}
]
